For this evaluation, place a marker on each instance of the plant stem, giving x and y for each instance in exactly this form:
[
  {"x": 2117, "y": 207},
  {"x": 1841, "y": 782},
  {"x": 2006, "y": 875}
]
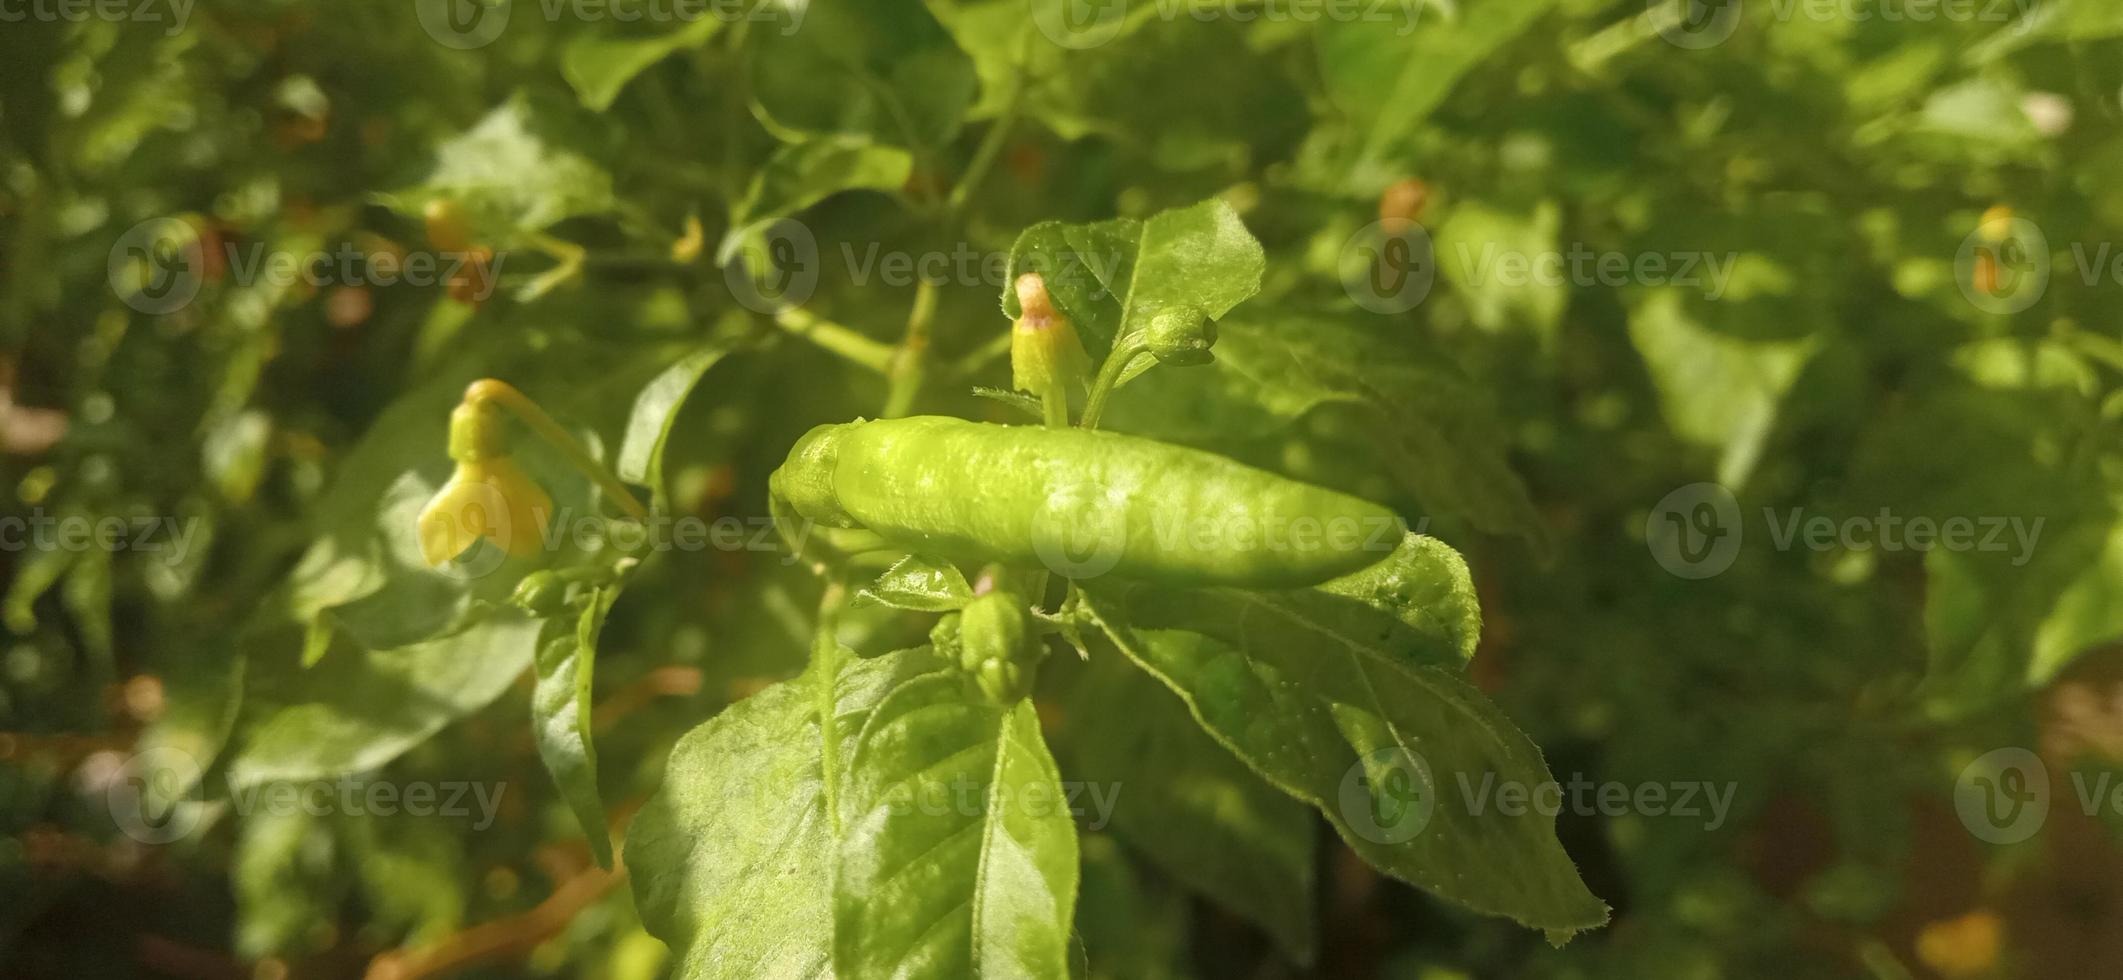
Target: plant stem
[
  {"x": 985, "y": 155},
  {"x": 910, "y": 366},
  {"x": 1108, "y": 378},
  {"x": 836, "y": 338},
  {"x": 910, "y": 369},
  {"x": 505, "y": 395},
  {"x": 825, "y": 658}
]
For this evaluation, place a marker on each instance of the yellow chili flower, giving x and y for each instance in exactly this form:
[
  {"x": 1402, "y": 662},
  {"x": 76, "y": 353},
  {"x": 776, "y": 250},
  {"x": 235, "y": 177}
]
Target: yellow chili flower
[{"x": 488, "y": 497}]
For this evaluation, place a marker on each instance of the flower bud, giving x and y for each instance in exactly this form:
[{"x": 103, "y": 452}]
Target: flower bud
[
  {"x": 492, "y": 499},
  {"x": 997, "y": 647},
  {"x": 1181, "y": 338},
  {"x": 1044, "y": 347}
]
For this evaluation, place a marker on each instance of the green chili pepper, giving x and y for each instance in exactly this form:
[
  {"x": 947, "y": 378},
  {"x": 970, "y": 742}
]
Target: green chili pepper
[{"x": 1080, "y": 502}]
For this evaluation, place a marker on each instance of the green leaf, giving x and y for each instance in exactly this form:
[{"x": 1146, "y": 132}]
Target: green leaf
[
  {"x": 2049, "y": 22},
  {"x": 35, "y": 575},
  {"x": 283, "y": 876},
  {"x": 1470, "y": 244},
  {"x": 561, "y": 714},
  {"x": 1389, "y": 74},
  {"x": 598, "y": 66},
  {"x": 1326, "y": 713},
  {"x": 732, "y": 858},
  {"x": 1187, "y": 806},
  {"x": 1112, "y": 277},
  {"x": 960, "y": 852},
  {"x": 510, "y": 179},
  {"x": 357, "y": 710},
  {"x": 884, "y": 69},
  {"x": 1425, "y": 587},
  {"x": 655, "y": 412},
  {"x": 799, "y": 175},
  {"x": 2087, "y": 613},
  {"x": 2003, "y": 620},
  {"x": 1718, "y": 391},
  {"x": 1120, "y": 88},
  {"x": 918, "y": 583},
  {"x": 1017, "y": 400}
]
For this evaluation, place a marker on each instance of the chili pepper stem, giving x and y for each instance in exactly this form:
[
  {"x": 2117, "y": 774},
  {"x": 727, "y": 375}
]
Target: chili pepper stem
[
  {"x": 505, "y": 395},
  {"x": 1109, "y": 378},
  {"x": 826, "y": 659},
  {"x": 837, "y": 339},
  {"x": 909, "y": 364}
]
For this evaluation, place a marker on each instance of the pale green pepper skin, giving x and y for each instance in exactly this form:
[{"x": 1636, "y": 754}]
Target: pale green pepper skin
[{"x": 1152, "y": 511}]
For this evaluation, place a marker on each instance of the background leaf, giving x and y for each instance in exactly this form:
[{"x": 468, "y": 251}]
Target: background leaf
[
  {"x": 561, "y": 713},
  {"x": 1315, "y": 709}
]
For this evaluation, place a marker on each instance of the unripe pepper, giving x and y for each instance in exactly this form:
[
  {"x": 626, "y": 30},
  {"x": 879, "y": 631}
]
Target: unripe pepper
[{"x": 1011, "y": 494}]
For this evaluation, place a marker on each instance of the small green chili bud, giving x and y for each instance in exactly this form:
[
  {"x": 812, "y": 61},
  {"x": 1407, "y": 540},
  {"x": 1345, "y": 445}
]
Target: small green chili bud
[
  {"x": 997, "y": 645},
  {"x": 1181, "y": 338},
  {"x": 944, "y": 637},
  {"x": 544, "y": 593}
]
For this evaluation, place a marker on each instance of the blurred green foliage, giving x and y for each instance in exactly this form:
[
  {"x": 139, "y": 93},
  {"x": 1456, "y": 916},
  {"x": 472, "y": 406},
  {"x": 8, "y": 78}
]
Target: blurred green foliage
[{"x": 1846, "y": 344}]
